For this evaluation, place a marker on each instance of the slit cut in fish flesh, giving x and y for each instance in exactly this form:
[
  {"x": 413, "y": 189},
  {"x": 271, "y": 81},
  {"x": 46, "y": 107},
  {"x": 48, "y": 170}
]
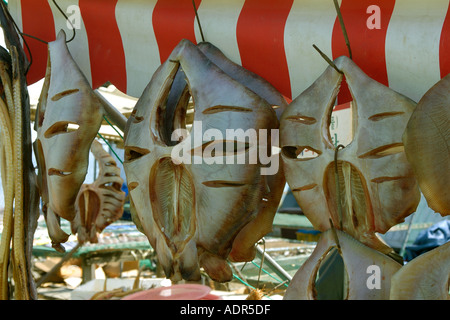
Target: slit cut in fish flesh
[
  {"x": 372, "y": 171},
  {"x": 62, "y": 153},
  {"x": 199, "y": 214}
]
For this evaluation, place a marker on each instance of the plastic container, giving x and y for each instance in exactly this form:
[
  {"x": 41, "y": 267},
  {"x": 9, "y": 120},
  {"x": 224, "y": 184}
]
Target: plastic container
[
  {"x": 175, "y": 292},
  {"x": 87, "y": 290}
]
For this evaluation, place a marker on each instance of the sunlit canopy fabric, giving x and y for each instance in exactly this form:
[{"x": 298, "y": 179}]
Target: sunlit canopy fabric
[{"x": 403, "y": 44}]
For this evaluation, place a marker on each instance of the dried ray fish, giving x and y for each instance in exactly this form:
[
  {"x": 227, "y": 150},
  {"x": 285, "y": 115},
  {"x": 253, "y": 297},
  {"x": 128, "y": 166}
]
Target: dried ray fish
[
  {"x": 197, "y": 210},
  {"x": 427, "y": 145},
  {"x": 373, "y": 171},
  {"x": 426, "y": 277},
  {"x": 68, "y": 117},
  {"x": 357, "y": 258},
  {"x": 262, "y": 224}
]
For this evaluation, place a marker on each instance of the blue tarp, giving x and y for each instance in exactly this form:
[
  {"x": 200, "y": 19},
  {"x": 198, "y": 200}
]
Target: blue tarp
[{"x": 428, "y": 239}]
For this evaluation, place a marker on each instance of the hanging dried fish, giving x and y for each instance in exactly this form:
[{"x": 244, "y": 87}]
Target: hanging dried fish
[
  {"x": 19, "y": 173},
  {"x": 426, "y": 140},
  {"x": 352, "y": 193},
  {"x": 426, "y": 277},
  {"x": 68, "y": 117},
  {"x": 358, "y": 259},
  {"x": 7, "y": 167},
  {"x": 24, "y": 190},
  {"x": 192, "y": 213},
  {"x": 427, "y": 145},
  {"x": 372, "y": 170},
  {"x": 249, "y": 79},
  {"x": 262, "y": 224},
  {"x": 100, "y": 203}
]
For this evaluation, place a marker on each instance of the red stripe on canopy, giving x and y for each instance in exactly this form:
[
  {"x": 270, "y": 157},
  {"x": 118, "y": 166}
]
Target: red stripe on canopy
[
  {"x": 367, "y": 44},
  {"x": 173, "y": 20},
  {"x": 106, "y": 53},
  {"x": 260, "y": 37},
  {"x": 37, "y": 20},
  {"x": 444, "y": 46}
]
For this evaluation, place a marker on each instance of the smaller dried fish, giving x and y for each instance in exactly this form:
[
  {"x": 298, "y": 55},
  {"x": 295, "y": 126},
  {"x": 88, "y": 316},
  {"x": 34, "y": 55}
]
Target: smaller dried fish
[{"x": 100, "y": 203}]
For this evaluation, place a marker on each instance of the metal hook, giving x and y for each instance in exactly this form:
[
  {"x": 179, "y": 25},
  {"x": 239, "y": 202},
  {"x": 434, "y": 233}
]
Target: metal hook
[
  {"x": 336, "y": 176},
  {"x": 46, "y": 42},
  {"x": 23, "y": 35},
  {"x": 67, "y": 19},
  {"x": 4, "y": 7}
]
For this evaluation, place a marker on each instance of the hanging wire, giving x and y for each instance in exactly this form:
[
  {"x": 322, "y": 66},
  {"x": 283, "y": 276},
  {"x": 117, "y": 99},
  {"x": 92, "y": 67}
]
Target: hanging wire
[
  {"x": 335, "y": 236},
  {"x": 43, "y": 41},
  {"x": 271, "y": 275},
  {"x": 22, "y": 34},
  {"x": 263, "y": 241},
  {"x": 33, "y": 37},
  {"x": 244, "y": 282},
  {"x": 198, "y": 20},
  {"x": 344, "y": 31},
  {"x": 67, "y": 19},
  {"x": 104, "y": 139},
  {"x": 336, "y": 178},
  {"x": 328, "y": 60},
  {"x": 338, "y": 200},
  {"x": 117, "y": 131},
  {"x": 261, "y": 269},
  {"x": 347, "y": 42},
  {"x": 26, "y": 45},
  {"x": 277, "y": 286},
  {"x": 110, "y": 147}
]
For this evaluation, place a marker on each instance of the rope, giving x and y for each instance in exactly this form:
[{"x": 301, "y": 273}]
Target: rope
[{"x": 243, "y": 282}]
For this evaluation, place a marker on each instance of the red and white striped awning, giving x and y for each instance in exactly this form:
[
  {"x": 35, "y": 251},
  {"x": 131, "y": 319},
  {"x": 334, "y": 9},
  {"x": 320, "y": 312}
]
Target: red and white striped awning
[{"x": 124, "y": 41}]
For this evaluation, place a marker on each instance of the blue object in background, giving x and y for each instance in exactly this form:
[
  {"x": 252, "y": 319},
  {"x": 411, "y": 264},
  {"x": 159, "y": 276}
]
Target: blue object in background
[
  {"x": 126, "y": 210},
  {"x": 428, "y": 239},
  {"x": 124, "y": 188}
]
